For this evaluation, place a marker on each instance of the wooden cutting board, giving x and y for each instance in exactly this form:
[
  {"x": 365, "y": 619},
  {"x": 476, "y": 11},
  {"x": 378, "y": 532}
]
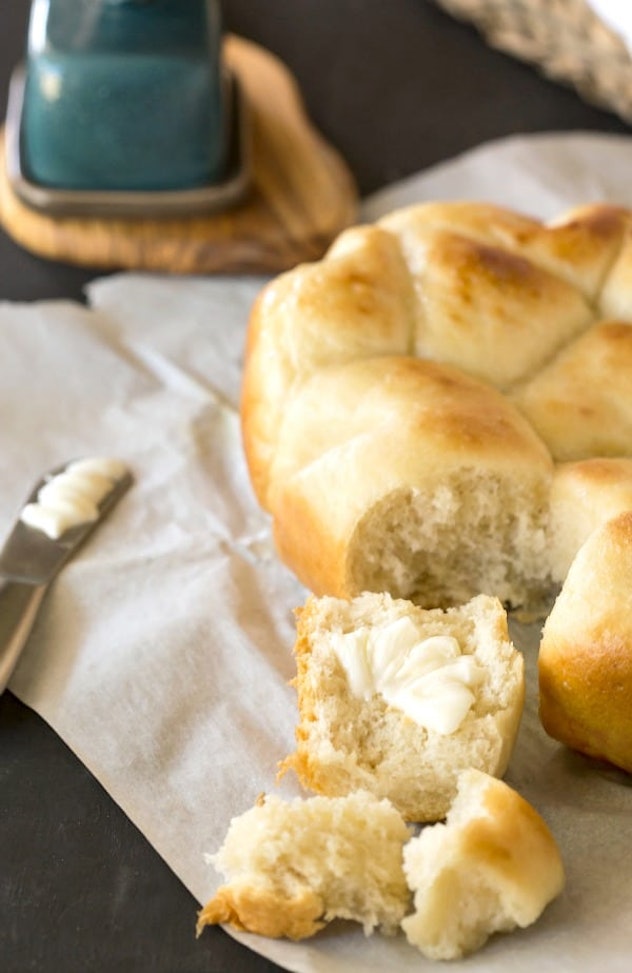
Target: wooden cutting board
[{"x": 302, "y": 195}]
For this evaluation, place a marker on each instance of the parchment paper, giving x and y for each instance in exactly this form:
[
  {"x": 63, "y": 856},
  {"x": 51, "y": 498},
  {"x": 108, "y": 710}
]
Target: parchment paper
[{"x": 162, "y": 656}]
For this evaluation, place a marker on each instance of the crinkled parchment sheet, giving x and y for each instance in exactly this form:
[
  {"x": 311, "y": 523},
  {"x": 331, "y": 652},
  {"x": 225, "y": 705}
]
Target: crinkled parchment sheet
[{"x": 162, "y": 656}]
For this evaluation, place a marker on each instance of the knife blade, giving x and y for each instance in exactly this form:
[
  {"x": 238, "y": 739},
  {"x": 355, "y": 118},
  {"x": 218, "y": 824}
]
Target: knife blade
[{"x": 31, "y": 559}]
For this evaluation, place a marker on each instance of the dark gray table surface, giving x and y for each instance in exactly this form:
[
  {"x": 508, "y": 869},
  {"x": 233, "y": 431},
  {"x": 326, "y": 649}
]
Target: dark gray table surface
[{"x": 396, "y": 86}]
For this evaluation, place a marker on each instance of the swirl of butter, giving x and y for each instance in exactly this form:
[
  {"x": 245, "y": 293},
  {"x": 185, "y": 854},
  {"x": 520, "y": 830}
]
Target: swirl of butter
[
  {"x": 428, "y": 679},
  {"x": 72, "y": 497}
]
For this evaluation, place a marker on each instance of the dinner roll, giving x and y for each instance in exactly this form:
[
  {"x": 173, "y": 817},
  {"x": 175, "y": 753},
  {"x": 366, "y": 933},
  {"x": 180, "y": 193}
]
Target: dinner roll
[
  {"x": 291, "y": 867},
  {"x": 581, "y": 402},
  {"x": 585, "y": 658},
  {"x": 402, "y": 475},
  {"x": 492, "y": 866},
  {"x": 397, "y": 700},
  {"x": 584, "y": 495}
]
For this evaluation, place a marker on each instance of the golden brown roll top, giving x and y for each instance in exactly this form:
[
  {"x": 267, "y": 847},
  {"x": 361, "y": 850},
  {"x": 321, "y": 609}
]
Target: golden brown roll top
[
  {"x": 581, "y": 402},
  {"x": 580, "y": 247},
  {"x": 485, "y": 308}
]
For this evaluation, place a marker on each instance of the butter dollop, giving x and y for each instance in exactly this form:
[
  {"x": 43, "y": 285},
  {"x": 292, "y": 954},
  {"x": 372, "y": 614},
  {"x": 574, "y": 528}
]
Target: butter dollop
[
  {"x": 72, "y": 497},
  {"x": 427, "y": 678}
]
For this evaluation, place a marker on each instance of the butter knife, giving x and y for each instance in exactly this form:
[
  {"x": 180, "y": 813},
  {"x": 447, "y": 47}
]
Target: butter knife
[{"x": 31, "y": 558}]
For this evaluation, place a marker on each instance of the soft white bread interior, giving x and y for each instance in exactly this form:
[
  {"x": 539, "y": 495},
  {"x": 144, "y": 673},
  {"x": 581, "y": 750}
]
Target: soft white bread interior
[
  {"x": 494, "y": 865},
  {"x": 384, "y": 465},
  {"x": 293, "y": 866},
  {"x": 584, "y": 495},
  {"x": 398, "y": 700},
  {"x": 585, "y": 657}
]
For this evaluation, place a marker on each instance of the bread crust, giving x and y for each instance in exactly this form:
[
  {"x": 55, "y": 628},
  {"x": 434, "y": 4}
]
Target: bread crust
[
  {"x": 512, "y": 843},
  {"x": 581, "y": 403},
  {"x": 250, "y": 909},
  {"x": 585, "y": 657},
  {"x": 487, "y": 307},
  {"x": 580, "y": 246},
  {"x": 359, "y": 302}
]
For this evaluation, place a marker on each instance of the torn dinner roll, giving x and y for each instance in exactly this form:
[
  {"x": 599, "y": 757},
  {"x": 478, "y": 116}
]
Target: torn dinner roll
[
  {"x": 292, "y": 867},
  {"x": 397, "y": 700},
  {"x": 402, "y": 475},
  {"x": 493, "y": 866}
]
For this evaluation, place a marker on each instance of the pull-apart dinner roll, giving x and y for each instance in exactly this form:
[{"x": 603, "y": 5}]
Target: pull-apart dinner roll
[
  {"x": 402, "y": 475},
  {"x": 397, "y": 700},
  {"x": 404, "y": 397},
  {"x": 357, "y": 304},
  {"x": 585, "y": 658},
  {"x": 584, "y": 495},
  {"x": 581, "y": 402}
]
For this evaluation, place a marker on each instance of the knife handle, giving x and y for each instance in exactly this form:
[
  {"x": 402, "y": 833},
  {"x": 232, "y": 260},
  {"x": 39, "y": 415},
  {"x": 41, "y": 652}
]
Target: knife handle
[{"x": 19, "y": 604}]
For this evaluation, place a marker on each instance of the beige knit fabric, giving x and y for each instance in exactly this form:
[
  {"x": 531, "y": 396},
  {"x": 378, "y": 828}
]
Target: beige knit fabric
[{"x": 564, "y": 38}]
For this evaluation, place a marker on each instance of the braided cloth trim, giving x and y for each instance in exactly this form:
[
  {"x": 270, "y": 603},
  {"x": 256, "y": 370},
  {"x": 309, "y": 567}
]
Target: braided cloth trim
[{"x": 565, "y": 39}]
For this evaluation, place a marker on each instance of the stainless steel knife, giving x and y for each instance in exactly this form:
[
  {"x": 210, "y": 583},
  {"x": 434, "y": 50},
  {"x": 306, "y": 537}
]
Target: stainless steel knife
[{"x": 30, "y": 561}]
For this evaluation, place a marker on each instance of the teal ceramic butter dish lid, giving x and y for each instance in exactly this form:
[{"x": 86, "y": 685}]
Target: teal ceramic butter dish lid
[{"x": 124, "y": 104}]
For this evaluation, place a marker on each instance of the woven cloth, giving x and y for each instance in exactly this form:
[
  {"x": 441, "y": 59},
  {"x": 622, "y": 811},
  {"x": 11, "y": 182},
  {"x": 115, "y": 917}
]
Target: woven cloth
[{"x": 566, "y": 40}]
